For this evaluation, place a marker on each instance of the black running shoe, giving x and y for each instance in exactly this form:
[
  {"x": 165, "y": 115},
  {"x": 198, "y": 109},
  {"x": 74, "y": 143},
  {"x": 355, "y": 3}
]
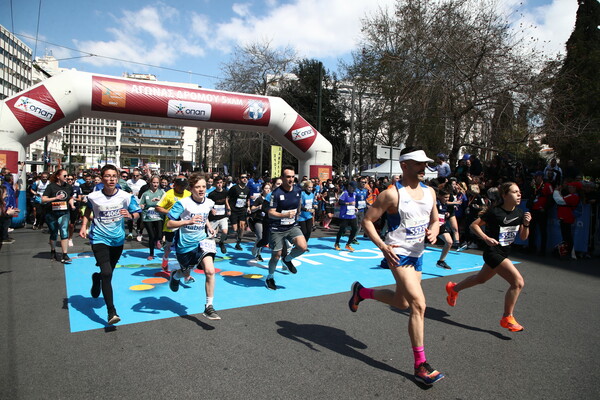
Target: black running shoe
[
  {"x": 113, "y": 318},
  {"x": 173, "y": 282},
  {"x": 96, "y": 285},
  {"x": 442, "y": 264},
  {"x": 238, "y": 247},
  {"x": 289, "y": 265},
  {"x": 223, "y": 248},
  {"x": 355, "y": 299},
  {"x": 210, "y": 313},
  {"x": 270, "y": 284},
  {"x": 66, "y": 259},
  {"x": 259, "y": 258}
]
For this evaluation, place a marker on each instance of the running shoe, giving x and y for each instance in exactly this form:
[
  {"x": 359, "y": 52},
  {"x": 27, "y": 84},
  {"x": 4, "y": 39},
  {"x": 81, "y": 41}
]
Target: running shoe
[
  {"x": 165, "y": 264},
  {"x": 158, "y": 244},
  {"x": 259, "y": 258},
  {"x": 223, "y": 248},
  {"x": 349, "y": 248},
  {"x": 113, "y": 318},
  {"x": 66, "y": 259},
  {"x": 427, "y": 375},
  {"x": 96, "y": 285},
  {"x": 210, "y": 313},
  {"x": 70, "y": 242},
  {"x": 290, "y": 265},
  {"x": 139, "y": 238},
  {"x": 238, "y": 247},
  {"x": 511, "y": 324},
  {"x": 355, "y": 299},
  {"x": 173, "y": 282},
  {"x": 189, "y": 279},
  {"x": 442, "y": 264},
  {"x": 463, "y": 247},
  {"x": 8, "y": 241},
  {"x": 150, "y": 258},
  {"x": 337, "y": 247},
  {"x": 130, "y": 236},
  {"x": 355, "y": 242},
  {"x": 270, "y": 284},
  {"x": 54, "y": 255},
  {"x": 452, "y": 295}
]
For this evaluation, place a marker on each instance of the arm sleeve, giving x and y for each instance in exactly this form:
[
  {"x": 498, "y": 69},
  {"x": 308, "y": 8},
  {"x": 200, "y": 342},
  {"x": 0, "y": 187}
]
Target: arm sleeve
[{"x": 175, "y": 212}]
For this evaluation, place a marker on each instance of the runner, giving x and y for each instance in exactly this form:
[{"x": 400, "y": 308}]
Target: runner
[
  {"x": 361, "y": 193},
  {"x": 193, "y": 247},
  {"x": 136, "y": 183},
  {"x": 445, "y": 214},
  {"x": 39, "y": 209},
  {"x": 110, "y": 207},
  {"x": 218, "y": 216},
  {"x": 60, "y": 196},
  {"x": 153, "y": 220},
  {"x": 164, "y": 206},
  {"x": 412, "y": 218},
  {"x": 502, "y": 221},
  {"x": 307, "y": 214},
  {"x": 75, "y": 215},
  {"x": 347, "y": 204},
  {"x": 283, "y": 215},
  {"x": 238, "y": 201},
  {"x": 258, "y": 212},
  {"x": 330, "y": 198}
]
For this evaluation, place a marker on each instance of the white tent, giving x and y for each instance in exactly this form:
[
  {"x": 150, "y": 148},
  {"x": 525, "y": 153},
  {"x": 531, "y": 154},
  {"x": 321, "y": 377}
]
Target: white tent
[{"x": 387, "y": 168}]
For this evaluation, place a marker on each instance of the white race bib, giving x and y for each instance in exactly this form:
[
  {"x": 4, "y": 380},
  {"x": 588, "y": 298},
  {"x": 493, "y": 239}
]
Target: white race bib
[
  {"x": 415, "y": 231},
  {"x": 208, "y": 246},
  {"x": 507, "y": 235},
  {"x": 350, "y": 210},
  {"x": 287, "y": 221},
  {"x": 109, "y": 214},
  {"x": 59, "y": 206},
  {"x": 239, "y": 203},
  {"x": 362, "y": 204},
  {"x": 309, "y": 204},
  {"x": 219, "y": 209}
]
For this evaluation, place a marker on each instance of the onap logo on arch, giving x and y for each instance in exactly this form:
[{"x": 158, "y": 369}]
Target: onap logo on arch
[
  {"x": 35, "y": 108},
  {"x": 189, "y": 110}
]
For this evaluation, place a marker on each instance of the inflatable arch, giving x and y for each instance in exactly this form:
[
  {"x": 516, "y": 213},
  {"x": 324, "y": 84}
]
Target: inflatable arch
[{"x": 53, "y": 103}]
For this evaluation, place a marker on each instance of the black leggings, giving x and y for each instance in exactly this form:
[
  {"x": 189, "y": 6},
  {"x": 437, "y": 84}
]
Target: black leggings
[
  {"x": 107, "y": 258},
  {"x": 306, "y": 228},
  {"x": 154, "y": 229},
  {"x": 566, "y": 230},
  {"x": 344, "y": 223}
]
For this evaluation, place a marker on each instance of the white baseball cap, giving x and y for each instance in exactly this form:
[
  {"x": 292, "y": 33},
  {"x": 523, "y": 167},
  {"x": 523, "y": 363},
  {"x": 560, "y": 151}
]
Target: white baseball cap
[{"x": 418, "y": 156}]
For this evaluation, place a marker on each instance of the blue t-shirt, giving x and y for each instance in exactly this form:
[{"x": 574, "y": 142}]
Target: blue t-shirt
[
  {"x": 283, "y": 201},
  {"x": 108, "y": 225},
  {"x": 361, "y": 198},
  {"x": 347, "y": 206},
  {"x": 188, "y": 237},
  {"x": 308, "y": 202}
]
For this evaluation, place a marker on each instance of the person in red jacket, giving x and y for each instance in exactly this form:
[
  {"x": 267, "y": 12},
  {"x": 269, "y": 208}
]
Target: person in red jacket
[
  {"x": 567, "y": 200},
  {"x": 539, "y": 212}
]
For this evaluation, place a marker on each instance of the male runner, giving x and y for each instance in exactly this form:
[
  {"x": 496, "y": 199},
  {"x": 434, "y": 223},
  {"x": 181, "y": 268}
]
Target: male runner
[
  {"x": 190, "y": 217},
  {"x": 238, "y": 201},
  {"x": 283, "y": 214},
  {"x": 412, "y": 217}
]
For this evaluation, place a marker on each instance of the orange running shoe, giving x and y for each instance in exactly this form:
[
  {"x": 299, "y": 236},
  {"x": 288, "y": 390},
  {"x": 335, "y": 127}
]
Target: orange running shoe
[
  {"x": 452, "y": 295},
  {"x": 337, "y": 247},
  {"x": 511, "y": 324},
  {"x": 349, "y": 248}
]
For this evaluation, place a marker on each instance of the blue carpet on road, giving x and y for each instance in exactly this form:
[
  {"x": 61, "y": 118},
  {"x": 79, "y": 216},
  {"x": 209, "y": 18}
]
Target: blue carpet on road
[{"x": 322, "y": 271}]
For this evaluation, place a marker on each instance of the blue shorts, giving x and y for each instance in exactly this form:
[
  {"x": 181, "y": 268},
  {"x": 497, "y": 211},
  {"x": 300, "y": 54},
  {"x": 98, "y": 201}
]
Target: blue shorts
[
  {"x": 193, "y": 258},
  {"x": 416, "y": 262}
]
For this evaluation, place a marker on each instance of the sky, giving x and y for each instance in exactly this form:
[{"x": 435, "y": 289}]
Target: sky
[{"x": 188, "y": 41}]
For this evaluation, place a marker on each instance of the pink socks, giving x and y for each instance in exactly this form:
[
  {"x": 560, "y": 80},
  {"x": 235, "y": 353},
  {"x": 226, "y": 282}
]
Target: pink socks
[
  {"x": 366, "y": 293},
  {"x": 419, "y": 353}
]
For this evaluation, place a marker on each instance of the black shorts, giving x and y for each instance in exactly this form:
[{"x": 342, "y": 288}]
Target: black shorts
[
  {"x": 169, "y": 236},
  {"x": 237, "y": 216},
  {"x": 193, "y": 258},
  {"x": 493, "y": 256},
  {"x": 330, "y": 210},
  {"x": 104, "y": 253}
]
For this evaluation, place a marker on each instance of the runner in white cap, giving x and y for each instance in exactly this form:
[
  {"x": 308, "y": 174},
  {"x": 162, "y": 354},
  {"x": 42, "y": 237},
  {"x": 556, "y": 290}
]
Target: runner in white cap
[{"x": 412, "y": 217}]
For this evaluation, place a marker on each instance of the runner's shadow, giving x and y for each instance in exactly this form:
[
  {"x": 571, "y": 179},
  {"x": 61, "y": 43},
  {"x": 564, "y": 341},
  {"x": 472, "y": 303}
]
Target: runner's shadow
[
  {"x": 147, "y": 272},
  {"x": 442, "y": 316},
  {"x": 153, "y": 305},
  {"x": 333, "y": 339},
  {"x": 88, "y": 306},
  {"x": 244, "y": 282},
  {"x": 137, "y": 253}
]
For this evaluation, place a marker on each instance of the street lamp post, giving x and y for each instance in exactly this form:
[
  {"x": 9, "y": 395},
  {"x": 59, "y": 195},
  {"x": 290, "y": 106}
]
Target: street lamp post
[{"x": 351, "y": 158}]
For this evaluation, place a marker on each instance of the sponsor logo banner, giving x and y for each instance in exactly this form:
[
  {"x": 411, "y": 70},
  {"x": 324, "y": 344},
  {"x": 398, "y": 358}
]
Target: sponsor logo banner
[
  {"x": 276, "y": 159},
  {"x": 302, "y": 134},
  {"x": 35, "y": 109},
  {"x": 189, "y": 110},
  {"x": 165, "y": 101}
]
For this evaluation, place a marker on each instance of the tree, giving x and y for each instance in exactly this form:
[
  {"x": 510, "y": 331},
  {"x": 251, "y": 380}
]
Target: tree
[
  {"x": 255, "y": 68},
  {"x": 573, "y": 123},
  {"x": 441, "y": 68}
]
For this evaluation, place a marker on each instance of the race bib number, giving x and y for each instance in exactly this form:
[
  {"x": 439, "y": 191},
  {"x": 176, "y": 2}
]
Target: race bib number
[
  {"x": 152, "y": 213},
  {"x": 309, "y": 204},
  {"x": 287, "y": 221},
  {"x": 415, "y": 231},
  {"x": 59, "y": 206},
  {"x": 219, "y": 209},
  {"x": 109, "y": 214},
  {"x": 442, "y": 219},
  {"x": 350, "y": 210},
  {"x": 332, "y": 200},
  {"x": 239, "y": 203},
  {"x": 208, "y": 246},
  {"x": 362, "y": 204},
  {"x": 507, "y": 235}
]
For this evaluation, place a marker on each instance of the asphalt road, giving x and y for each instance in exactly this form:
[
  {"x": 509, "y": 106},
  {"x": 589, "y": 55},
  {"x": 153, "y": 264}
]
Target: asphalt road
[{"x": 312, "y": 348}]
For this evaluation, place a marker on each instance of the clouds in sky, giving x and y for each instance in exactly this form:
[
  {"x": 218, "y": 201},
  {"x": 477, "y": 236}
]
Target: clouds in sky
[{"x": 160, "y": 34}]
